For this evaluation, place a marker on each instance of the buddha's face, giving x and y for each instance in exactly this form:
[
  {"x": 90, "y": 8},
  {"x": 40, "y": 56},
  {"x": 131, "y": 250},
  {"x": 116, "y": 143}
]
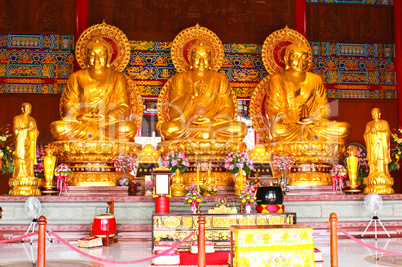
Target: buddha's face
[
  {"x": 375, "y": 113},
  {"x": 97, "y": 57},
  {"x": 201, "y": 58},
  {"x": 26, "y": 109},
  {"x": 297, "y": 60}
]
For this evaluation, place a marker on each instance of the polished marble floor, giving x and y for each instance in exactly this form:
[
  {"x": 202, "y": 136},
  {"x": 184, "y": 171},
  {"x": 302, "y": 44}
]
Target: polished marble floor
[{"x": 57, "y": 254}]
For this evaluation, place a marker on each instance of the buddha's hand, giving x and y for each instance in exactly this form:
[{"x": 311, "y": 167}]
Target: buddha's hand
[{"x": 198, "y": 120}]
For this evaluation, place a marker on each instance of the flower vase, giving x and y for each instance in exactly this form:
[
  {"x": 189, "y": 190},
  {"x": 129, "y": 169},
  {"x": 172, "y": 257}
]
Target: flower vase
[
  {"x": 124, "y": 181},
  {"x": 194, "y": 208},
  {"x": 248, "y": 208}
]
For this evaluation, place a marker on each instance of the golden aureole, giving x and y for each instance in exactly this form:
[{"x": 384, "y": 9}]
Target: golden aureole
[
  {"x": 289, "y": 111},
  {"x": 26, "y": 133},
  {"x": 100, "y": 109},
  {"x": 377, "y": 138},
  {"x": 197, "y": 108}
]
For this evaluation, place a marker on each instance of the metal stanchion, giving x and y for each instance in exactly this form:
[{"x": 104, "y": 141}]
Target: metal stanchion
[
  {"x": 334, "y": 239},
  {"x": 42, "y": 242},
  {"x": 201, "y": 241}
]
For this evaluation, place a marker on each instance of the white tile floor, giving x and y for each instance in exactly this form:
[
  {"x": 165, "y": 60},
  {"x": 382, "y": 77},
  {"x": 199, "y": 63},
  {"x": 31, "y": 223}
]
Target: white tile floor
[{"x": 350, "y": 253}]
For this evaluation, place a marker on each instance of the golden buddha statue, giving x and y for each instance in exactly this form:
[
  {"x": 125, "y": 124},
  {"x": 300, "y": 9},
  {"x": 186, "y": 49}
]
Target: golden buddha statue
[
  {"x": 295, "y": 90},
  {"x": 352, "y": 162},
  {"x": 26, "y": 133},
  {"x": 377, "y": 138},
  {"x": 96, "y": 103},
  {"x": 289, "y": 110},
  {"x": 201, "y": 101},
  {"x": 100, "y": 109},
  {"x": 177, "y": 184},
  {"x": 197, "y": 109}
]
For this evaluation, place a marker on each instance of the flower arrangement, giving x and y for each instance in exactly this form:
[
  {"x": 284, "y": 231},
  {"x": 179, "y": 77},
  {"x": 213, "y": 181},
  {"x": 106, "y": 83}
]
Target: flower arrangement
[
  {"x": 124, "y": 163},
  {"x": 282, "y": 163},
  {"x": 176, "y": 160},
  {"x": 193, "y": 196},
  {"x": 256, "y": 182},
  {"x": 363, "y": 168},
  {"x": 61, "y": 172},
  {"x": 396, "y": 151},
  {"x": 211, "y": 190},
  {"x": 6, "y": 150},
  {"x": 148, "y": 185},
  {"x": 237, "y": 160},
  {"x": 39, "y": 168},
  {"x": 247, "y": 196},
  {"x": 338, "y": 172}
]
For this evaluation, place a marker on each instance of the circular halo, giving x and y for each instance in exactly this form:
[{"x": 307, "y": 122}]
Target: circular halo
[
  {"x": 273, "y": 49},
  {"x": 114, "y": 36},
  {"x": 186, "y": 38}
]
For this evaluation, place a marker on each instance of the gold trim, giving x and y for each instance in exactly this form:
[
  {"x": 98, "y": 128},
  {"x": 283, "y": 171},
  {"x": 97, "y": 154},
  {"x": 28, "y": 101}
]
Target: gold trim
[
  {"x": 112, "y": 35},
  {"x": 275, "y": 38},
  {"x": 256, "y": 116}
]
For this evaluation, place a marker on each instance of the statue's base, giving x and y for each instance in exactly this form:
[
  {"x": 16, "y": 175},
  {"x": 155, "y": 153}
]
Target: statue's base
[
  {"x": 313, "y": 160},
  {"x": 49, "y": 191},
  {"x": 25, "y": 186},
  {"x": 95, "y": 178},
  {"x": 352, "y": 189}
]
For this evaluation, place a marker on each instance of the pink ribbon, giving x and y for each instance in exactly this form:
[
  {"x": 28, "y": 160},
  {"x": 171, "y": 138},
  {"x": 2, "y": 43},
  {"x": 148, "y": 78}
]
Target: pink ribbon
[
  {"x": 121, "y": 262},
  {"x": 17, "y": 238}
]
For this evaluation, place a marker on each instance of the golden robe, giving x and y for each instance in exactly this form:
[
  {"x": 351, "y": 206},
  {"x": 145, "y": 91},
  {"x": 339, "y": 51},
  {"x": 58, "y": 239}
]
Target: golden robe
[
  {"x": 25, "y": 136},
  {"x": 215, "y": 95},
  {"x": 285, "y": 98},
  {"x": 83, "y": 94}
]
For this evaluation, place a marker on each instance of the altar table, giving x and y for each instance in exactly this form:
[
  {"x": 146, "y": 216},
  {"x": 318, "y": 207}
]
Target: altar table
[{"x": 271, "y": 245}]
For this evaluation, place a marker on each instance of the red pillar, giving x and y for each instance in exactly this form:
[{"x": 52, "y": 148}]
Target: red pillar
[
  {"x": 398, "y": 56},
  {"x": 42, "y": 242},
  {"x": 81, "y": 21},
  {"x": 301, "y": 17}
]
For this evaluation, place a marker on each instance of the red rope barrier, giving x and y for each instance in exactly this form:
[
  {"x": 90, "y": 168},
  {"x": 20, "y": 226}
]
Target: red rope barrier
[
  {"x": 17, "y": 238},
  {"x": 367, "y": 245},
  {"x": 121, "y": 262}
]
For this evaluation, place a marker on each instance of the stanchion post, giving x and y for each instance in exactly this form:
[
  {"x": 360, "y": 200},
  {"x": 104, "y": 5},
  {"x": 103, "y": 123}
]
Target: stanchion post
[
  {"x": 201, "y": 241},
  {"x": 42, "y": 242},
  {"x": 334, "y": 239}
]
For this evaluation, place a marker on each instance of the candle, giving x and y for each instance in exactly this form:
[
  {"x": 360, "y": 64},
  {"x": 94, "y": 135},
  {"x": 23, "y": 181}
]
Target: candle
[{"x": 198, "y": 177}]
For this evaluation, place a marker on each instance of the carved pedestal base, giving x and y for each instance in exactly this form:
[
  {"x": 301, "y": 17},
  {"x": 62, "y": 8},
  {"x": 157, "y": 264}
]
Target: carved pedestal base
[
  {"x": 379, "y": 185},
  {"x": 177, "y": 190},
  {"x": 204, "y": 152},
  {"x": 24, "y": 186},
  {"x": 313, "y": 160},
  {"x": 91, "y": 161}
]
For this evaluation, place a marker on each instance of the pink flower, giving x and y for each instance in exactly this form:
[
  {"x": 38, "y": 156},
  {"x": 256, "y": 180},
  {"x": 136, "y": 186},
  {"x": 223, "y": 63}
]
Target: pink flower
[
  {"x": 174, "y": 162},
  {"x": 231, "y": 167}
]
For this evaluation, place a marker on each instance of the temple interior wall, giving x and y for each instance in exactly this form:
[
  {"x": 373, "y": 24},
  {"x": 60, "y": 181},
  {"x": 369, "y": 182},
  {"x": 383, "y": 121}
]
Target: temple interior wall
[{"x": 353, "y": 48}]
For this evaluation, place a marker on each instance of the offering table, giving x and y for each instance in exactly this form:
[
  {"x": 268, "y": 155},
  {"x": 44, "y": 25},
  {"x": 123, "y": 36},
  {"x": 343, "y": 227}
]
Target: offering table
[
  {"x": 177, "y": 226},
  {"x": 271, "y": 245}
]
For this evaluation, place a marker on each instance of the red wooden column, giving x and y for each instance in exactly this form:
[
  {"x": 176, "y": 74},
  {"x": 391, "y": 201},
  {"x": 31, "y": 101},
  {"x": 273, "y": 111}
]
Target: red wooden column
[
  {"x": 81, "y": 22},
  {"x": 301, "y": 17},
  {"x": 398, "y": 56}
]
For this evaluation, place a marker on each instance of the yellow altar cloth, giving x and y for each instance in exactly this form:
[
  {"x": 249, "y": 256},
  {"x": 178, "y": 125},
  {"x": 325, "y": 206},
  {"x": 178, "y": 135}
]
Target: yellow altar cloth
[{"x": 272, "y": 245}]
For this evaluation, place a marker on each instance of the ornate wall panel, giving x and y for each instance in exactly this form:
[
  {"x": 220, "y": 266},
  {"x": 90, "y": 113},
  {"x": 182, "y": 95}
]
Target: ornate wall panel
[
  {"x": 37, "y": 16},
  {"x": 248, "y": 21},
  {"x": 350, "y": 23}
]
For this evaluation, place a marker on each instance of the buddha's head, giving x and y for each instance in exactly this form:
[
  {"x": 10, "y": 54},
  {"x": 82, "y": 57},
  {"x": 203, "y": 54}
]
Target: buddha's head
[
  {"x": 200, "y": 56},
  {"x": 297, "y": 57},
  {"x": 376, "y": 113},
  {"x": 98, "y": 54},
  {"x": 26, "y": 108}
]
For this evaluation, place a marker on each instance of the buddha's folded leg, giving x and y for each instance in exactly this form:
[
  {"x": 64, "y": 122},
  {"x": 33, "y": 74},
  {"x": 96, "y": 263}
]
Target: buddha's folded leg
[
  {"x": 173, "y": 130},
  {"x": 233, "y": 130},
  {"x": 124, "y": 130},
  {"x": 71, "y": 130},
  {"x": 333, "y": 131}
]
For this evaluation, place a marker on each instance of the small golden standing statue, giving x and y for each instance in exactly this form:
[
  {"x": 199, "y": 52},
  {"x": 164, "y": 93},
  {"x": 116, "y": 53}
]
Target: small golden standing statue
[
  {"x": 26, "y": 133},
  {"x": 49, "y": 162},
  {"x": 177, "y": 184},
  {"x": 377, "y": 138},
  {"x": 353, "y": 163},
  {"x": 209, "y": 180}
]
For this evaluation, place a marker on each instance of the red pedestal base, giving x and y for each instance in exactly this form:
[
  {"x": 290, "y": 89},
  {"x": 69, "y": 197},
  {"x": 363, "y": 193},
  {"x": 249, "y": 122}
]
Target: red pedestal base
[{"x": 162, "y": 205}]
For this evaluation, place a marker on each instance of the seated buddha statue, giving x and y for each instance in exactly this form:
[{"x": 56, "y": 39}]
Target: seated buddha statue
[
  {"x": 96, "y": 103},
  {"x": 296, "y": 105},
  {"x": 201, "y": 102}
]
